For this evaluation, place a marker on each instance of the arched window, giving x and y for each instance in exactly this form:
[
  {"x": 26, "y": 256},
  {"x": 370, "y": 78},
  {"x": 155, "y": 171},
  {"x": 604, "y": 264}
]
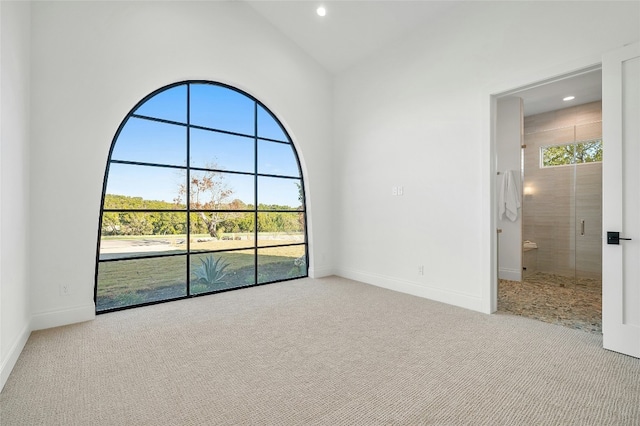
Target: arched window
[{"x": 203, "y": 193}]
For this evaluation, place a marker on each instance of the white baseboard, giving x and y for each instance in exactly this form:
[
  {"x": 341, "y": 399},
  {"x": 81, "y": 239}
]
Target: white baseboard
[
  {"x": 61, "y": 317},
  {"x": 321, "y": 272},
  {"x": 510, "y": 274},
  {"x": 14, "y": 352},
  {"x": 462, "y": 300}
]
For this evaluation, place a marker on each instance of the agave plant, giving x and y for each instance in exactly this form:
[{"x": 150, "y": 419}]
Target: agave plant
[
  {"x": 211, "y": 271},
  {"x": 299, "y": 265}
]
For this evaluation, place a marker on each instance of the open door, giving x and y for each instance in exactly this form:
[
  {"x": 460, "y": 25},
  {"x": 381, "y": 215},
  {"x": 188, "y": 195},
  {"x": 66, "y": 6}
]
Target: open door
[{"x": 621, "y": 200}]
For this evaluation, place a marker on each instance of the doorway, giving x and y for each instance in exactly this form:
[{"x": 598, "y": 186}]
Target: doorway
[{"x": 558, "y": 229}]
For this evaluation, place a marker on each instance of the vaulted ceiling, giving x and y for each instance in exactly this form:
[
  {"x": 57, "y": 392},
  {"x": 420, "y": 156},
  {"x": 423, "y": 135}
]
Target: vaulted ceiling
[{"x": 352, "y": 30}]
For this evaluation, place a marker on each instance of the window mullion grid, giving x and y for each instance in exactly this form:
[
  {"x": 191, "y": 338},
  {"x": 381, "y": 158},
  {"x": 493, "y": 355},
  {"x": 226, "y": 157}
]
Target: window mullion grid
[
  {"x": 281, "y": 245},
  {"x": 146, "y": 164},
  {"x": 199, "y": 127},
  {"x": 304, "y": 229},
  {"x": 255, "y": 192},
  {"x": 188, "y": 193},
  {"x": 188, "y": 208}
]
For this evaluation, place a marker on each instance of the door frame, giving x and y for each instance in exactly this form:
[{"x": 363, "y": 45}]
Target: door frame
[{"x": 492, "y": 94}]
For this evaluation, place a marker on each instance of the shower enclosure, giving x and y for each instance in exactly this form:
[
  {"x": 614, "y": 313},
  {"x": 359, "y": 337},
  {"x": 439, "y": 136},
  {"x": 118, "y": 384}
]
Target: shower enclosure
[{"x": 562, "y": 203}]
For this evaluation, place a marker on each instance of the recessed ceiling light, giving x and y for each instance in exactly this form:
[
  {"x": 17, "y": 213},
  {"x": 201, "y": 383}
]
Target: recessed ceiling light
[
  {"x": 321, "y": 11},
  {"x": 568, "y": 98}
]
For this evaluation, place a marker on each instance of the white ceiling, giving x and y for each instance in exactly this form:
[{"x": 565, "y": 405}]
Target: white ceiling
[
  {"x": 355, "y": 29},
  {"x": 586, "y": 87},
  {"x": 351, "y": 30}
]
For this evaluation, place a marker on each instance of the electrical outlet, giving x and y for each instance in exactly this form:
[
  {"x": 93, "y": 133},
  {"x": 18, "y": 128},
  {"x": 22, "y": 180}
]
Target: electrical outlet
[
  {"x": 400, "y": 190},
  {"x": 394, "y": 190},
  {"x": 65, "y": 290},
  {"x": 421, "y": 270}
]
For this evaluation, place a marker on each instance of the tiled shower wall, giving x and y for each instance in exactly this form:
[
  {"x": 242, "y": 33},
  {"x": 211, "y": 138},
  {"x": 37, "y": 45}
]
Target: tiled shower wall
[{"x": 557, "y": 199}]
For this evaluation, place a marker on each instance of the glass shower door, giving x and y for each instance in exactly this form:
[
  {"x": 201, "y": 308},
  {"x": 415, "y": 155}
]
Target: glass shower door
[
  {"x": 562, "y": 208},
  {"x": 549, "y": 205},
  {"x": 588, "y": 204},
  {"x": 562, "y": 218}
]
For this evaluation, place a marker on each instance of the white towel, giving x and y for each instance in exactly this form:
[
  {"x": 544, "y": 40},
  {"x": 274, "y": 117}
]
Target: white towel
[{"x": 509, "y": 197}]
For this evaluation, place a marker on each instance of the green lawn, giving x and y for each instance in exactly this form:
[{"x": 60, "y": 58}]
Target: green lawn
[{"x": 135, "y": 281}]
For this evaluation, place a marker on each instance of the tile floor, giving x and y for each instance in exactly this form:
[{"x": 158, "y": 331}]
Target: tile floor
[{"x": 555, "y": 299}]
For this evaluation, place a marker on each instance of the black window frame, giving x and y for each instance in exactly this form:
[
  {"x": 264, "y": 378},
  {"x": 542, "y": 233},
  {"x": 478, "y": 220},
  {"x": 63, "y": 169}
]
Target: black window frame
[{"x": 256, "y": 210}]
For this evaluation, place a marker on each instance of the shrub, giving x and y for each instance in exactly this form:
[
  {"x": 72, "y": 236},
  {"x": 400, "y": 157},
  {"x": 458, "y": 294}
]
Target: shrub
[{"x": 211, "y": 271}]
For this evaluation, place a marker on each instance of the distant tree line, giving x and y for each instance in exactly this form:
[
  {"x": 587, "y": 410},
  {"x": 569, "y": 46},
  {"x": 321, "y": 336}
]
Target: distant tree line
[{"x": 172, "y": 219}]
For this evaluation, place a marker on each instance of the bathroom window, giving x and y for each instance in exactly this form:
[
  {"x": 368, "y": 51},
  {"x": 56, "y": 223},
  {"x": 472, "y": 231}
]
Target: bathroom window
[
  {"x": 203, "y": 193},
  {"x": 573, "y": 153}
]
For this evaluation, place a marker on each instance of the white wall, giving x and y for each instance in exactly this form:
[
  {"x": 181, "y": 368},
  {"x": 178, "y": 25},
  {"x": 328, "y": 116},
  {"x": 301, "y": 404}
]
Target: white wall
[
  {"x": 415, "y": 116},
  {"x": 14, "y": 183},
  {"x": 418, "y": 115},
  {"x": 509, "y": 134},
  {"x": 92, "y": 62}
]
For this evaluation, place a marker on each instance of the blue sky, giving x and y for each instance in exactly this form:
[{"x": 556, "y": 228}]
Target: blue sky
[{"x": 212, "y": 106}]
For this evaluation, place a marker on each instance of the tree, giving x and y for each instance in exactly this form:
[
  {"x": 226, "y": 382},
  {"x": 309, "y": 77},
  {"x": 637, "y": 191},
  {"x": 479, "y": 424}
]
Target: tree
[
  {"x": 207, "y": 191},
  {"x": 110, "y": 223},
  {"x": 573, "y": 153},
  {"x": 301, "y": 199}
]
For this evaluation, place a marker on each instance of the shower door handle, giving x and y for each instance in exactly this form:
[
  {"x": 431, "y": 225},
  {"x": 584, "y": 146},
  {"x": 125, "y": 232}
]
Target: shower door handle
[
  {"x": 614, "y": 238},
  {"x": 582, "y": 227}
]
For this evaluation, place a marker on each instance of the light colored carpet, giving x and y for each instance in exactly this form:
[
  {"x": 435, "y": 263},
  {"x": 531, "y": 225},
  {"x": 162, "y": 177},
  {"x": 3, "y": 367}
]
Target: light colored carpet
[{"x": 318, "y": 352}]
